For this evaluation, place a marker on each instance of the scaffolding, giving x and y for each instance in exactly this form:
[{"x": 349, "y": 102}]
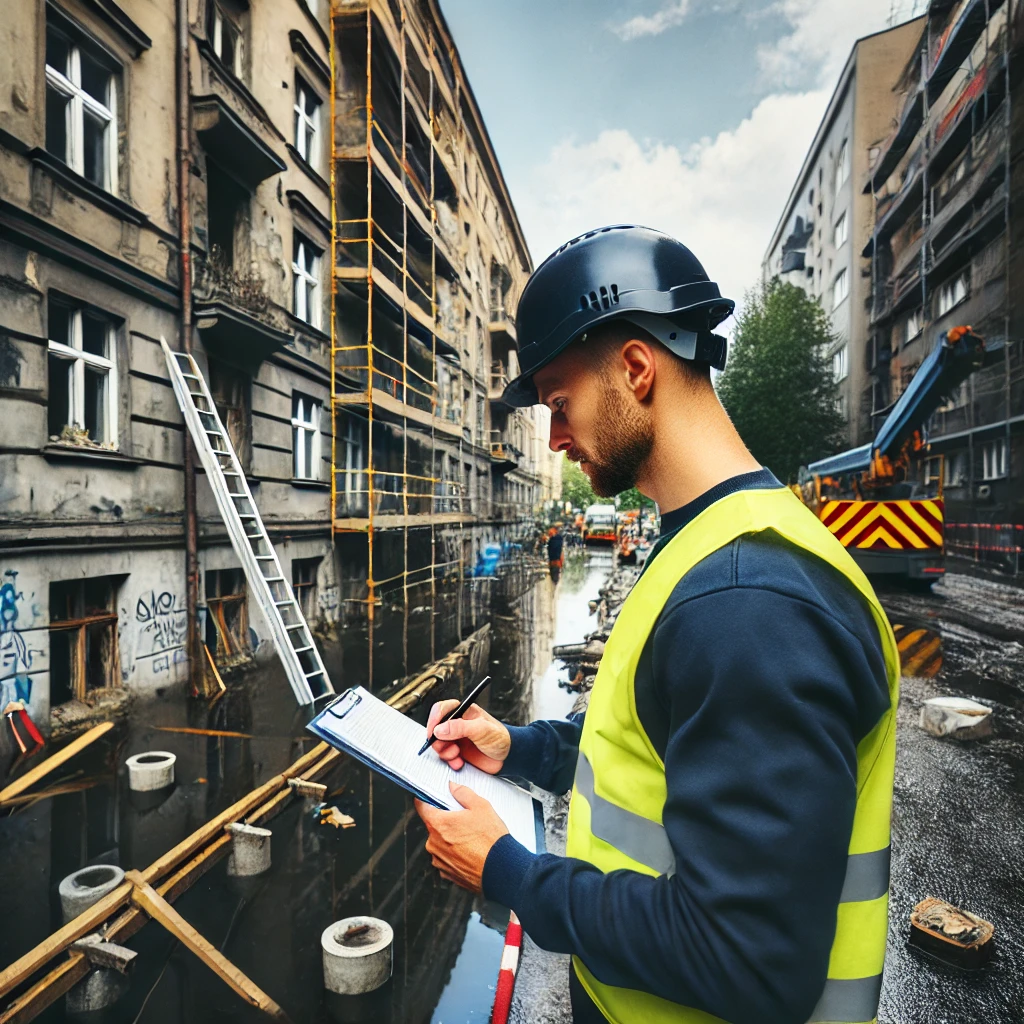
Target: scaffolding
[{"x": 412, "y": 449}]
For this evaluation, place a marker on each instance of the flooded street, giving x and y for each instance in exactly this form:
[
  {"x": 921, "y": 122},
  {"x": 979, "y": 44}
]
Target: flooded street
[{"x": 956, "y": 834}]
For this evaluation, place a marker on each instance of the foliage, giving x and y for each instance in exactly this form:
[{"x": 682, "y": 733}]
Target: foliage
[
  {"x": 631, "y": 499},
  {"x": 778, "y": 387},
  {"x": 576, "y": 487}
]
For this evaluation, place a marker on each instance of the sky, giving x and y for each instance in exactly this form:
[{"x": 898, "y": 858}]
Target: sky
[{"x": 691, "y": 116}]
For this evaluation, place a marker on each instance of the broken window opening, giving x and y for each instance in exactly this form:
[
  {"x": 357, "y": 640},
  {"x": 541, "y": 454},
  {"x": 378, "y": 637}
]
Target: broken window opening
[
  {"x": 227, "y": 617},
  {"x": 225, "y": 204},
  {"x": 304, "y": 572},
  {"x": 83, "y": 638},
  {"x": 225, "y": 36},
  {"x": 232, "y": 397}
]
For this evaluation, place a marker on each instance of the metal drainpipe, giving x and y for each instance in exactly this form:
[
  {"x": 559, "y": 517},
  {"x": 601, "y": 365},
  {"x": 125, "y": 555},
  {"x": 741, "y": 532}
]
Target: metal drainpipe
[{"x": 197, "y": 669}]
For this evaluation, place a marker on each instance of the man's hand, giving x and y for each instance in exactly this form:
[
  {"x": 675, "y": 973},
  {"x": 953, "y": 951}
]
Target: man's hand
[
  {"x": 477, "y": 737},
  {"x": 459, "y": 841}
]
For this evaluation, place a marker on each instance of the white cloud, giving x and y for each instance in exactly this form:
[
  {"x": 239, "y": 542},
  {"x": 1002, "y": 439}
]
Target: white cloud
[
  {"x": 669, "y": 16},
  {"x": 721, "y": 198},
  {"x": 820, "y": 36}
]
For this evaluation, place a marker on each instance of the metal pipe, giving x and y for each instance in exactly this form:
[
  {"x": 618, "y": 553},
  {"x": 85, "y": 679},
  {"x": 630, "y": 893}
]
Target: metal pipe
[{"x": 196, "y": 666}]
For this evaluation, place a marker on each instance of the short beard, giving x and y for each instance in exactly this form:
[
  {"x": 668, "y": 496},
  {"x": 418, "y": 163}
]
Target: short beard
[{"x": 618, "y": 457}]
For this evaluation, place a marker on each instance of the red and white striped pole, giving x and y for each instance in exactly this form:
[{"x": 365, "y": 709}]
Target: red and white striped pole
[{"x": 507, "y": 971}]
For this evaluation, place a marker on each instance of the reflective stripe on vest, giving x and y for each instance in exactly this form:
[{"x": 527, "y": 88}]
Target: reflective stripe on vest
[{"x": 620, "y": 788}]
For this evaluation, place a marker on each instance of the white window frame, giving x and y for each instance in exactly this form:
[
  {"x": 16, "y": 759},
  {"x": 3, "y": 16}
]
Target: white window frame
[
  {"x": 955, "y": 469},
  {"x": 841, "y": 231},
  {"x": 72, "y": 352},
  {"x": 913, "y": 326},
  {"x": 994, "y": 460},
  {"x": 953, "y": 292},
  {"x": 80, "y": 103},
  {"x": 220, "y": 19},
  {"x": 305, "y": 420},
  {"x": 840, "y": 283},
  {"x": 842, "y": 165},
  {"x": 307, "y": 127},
  {"x": 354, "y": 462},
  {"x": 841, "y": 363},
  {"x": 306, "y": 290}
]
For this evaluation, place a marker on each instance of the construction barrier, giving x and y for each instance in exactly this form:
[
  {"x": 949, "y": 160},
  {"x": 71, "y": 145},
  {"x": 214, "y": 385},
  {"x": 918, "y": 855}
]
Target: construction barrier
[
  {"x": 507, "y": 971},
  {"x": 995, "y": 544}
]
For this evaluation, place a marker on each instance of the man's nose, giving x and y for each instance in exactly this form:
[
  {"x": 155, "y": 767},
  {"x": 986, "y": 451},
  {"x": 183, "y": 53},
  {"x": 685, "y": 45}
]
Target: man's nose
[{"x": 559, "y": 441}]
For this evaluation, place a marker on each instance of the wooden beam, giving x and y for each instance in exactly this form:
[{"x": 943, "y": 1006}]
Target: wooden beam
[
  {"x": 146, "y": 898},
  {"x": 54, "y": 761}
]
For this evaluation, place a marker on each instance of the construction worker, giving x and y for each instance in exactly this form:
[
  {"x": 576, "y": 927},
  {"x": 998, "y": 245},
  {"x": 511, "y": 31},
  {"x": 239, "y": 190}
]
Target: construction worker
[{"x": 727, "y": 853}]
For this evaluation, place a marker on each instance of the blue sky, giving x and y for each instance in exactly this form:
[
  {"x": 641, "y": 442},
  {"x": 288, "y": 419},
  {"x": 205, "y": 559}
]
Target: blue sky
[{"x": 688, "y": 115}]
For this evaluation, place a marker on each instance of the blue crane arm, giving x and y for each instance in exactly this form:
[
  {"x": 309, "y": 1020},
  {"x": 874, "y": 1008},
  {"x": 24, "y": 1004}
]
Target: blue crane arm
[{"x": 946, "y": 366}]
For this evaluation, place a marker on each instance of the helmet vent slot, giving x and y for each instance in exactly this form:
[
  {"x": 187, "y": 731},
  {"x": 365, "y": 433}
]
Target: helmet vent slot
[{"x": 608, "y": 297}]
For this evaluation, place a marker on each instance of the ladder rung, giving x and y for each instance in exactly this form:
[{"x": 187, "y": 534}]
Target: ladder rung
[
  {"x": 302, "y": 650},
  {"x": 296, "y": 625},
  {"x": 237, "y": 494},
  {"x": 264, "y": 558},
  {"x": 189, "y": 376},
  {"x": 215, "y": 433},
  {"x": 309, "y": 675},
  {"x": 284, "y": 604},
  {"x": 247, "y": 515},
  {"x": 273, "y": 579}
]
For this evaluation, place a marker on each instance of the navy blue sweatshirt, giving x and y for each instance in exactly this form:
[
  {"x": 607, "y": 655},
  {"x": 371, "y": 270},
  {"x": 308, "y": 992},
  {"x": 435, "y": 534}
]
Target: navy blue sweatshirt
[{"x": 762, "y": 674}]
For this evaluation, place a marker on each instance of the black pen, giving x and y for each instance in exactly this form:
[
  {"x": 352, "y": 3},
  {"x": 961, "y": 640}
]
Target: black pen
[{"x": 460, "y": 710}]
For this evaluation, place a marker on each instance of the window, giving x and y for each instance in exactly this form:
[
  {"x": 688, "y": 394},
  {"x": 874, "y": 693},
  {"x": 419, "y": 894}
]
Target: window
[
  {"x": 307, "y": 122},
  {"x": 913, "y": 326},
  {"x": 840, "y": 287},
  {"x": 842, "y": 165},
  {"x": 83, "y": 637},
  {"x": 225, "y": 37},
  {"x": 304, "y": 585},
  {"x": 993, "y": 459},
  {"x": 952, "y": 293},
  {"x": 956, "y": 469},
  {"x": 82, "y": 375},
  {"x": 81, "y": 109},
  {"x": 227, "y": 620},
  {"x": 841, "y": 363},
  {"x": 232, "y": 398},
  {"x": 840, "y": 232},
  {"x": 306, "y": 437},
  {"x": 306, "y": 272}
]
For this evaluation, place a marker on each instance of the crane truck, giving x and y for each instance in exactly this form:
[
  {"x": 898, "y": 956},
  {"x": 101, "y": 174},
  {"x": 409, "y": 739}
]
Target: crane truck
[{"x": 869, "y": 498}]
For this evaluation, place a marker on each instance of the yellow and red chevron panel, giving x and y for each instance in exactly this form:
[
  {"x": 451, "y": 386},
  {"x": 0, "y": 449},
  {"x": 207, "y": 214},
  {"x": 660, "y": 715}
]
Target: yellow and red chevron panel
[{"x": 885, "y": 525}]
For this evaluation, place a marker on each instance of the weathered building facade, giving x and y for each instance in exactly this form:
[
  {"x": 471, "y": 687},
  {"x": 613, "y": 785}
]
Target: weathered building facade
[
  {"x": 96, "y": 152},
  {"x": 945, "y": 248},
  {"x": 827, "y": 220}
]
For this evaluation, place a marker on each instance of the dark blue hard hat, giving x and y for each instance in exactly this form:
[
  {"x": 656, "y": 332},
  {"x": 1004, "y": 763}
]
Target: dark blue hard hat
[{"x": 622, "y": 272}]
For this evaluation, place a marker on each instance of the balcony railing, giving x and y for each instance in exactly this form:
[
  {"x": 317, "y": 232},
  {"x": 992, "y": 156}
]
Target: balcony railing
[{"x": 216, "y": 280}]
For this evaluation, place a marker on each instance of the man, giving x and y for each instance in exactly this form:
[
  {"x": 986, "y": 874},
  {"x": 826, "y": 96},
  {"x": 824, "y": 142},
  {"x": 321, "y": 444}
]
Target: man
[
  {"x": 555, "y": 544},
  {"x": 728, "y": 835}
]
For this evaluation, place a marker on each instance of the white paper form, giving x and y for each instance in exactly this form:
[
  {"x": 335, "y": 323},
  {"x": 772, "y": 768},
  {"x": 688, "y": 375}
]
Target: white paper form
[{"x": 388, "y": 741}]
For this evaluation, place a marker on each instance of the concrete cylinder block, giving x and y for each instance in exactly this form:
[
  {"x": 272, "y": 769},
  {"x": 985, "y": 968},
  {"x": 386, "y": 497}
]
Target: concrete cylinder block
[
  {"x": 81, "y": 889},
  {"x": 151, "y": 770},
  {"x": 96, "y": 991},
  {"x": 358, "y": 955},
  {"x": 250, "y": 850}
]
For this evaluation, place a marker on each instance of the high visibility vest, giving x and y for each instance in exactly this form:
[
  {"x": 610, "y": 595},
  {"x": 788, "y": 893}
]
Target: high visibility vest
[{"x": 615, "y": 814}]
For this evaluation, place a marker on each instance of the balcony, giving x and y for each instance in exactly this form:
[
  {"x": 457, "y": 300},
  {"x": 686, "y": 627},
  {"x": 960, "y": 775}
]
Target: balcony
[
  {"x": 903, "y": 206},
  {"x": 911, "y": 119},
  {"x": 232, "y": 143},
  {"x": 233, "y": 312},
  {"x": 502, "y": 330},
  {"x": 956, "y": 44},
  {"x": 504, "y": 456},
  {"x": 499, "y": 381},
  {"x": 983, "y": 226}
]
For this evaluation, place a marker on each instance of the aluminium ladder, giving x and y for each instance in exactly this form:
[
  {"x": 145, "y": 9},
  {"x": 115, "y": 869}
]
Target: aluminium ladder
[{"x": 273, "y": 593}]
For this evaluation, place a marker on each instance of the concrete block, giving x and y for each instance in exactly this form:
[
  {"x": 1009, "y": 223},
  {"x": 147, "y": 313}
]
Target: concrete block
[
  {"x": 81, "y": 889},
  {"x": 250, "y": 850},
  {"x": 153, "y": 769},
  {"x": 357, "y": 955},
  {"x": 96, "y": 991},
  {"x": 958, "y": 717}
]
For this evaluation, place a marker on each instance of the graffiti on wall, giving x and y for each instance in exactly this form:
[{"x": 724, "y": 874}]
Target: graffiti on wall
[
  {"x": 16, "y": 656},
  {"x": 162, "y": 627}
]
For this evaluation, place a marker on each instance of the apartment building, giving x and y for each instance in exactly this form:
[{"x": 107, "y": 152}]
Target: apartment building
[
  {"x": 827, "y": 220},
  {"x": 357, "y": 385},
  {"x": 945, "y": 248}
]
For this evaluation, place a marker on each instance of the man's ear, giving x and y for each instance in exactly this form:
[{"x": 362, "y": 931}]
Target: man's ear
[{"x": 638, "y": 365}]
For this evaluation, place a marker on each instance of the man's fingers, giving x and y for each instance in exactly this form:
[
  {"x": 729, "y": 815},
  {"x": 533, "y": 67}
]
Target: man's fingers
[
  {"x": 463, "y": 728},
  {"x": 438, "y": 711},
  {"x": 466, "y": 796}
]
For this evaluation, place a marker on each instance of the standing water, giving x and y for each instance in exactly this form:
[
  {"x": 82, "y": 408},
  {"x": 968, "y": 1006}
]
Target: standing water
[{"x": 447, "y": 943}]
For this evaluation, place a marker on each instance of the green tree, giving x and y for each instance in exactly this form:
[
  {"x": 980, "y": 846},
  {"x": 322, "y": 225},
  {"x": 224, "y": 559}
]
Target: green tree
[
  {"x": 631, "y": 499},
  {"x": 779, "y": 387},
  {"x": 576, "y": 487}
]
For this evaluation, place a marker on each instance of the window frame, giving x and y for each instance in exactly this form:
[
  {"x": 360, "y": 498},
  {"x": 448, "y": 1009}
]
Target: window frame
[
  {"x": 309, "y": 310},
  {"x": 842, "y": 173},
  {"x": 915, "y": 317},
  {"x": 72, "y": 352},
  {"x": 843, "y": 276},
  {"x": 307, "y": 141},
  {"x": 949, "y": 286},
  {"x": 300, "y": 427},
  {"x": 79, "y": 104},
  {"x": 995, "y": 459},
  {"x": 218, "y": 19},
  {"x": 843, "y": 220},
  {"x": 841, "y": 364}
]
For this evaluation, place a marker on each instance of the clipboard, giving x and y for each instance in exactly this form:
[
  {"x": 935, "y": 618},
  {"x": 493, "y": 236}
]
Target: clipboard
[{"x": 386, "y": 741}]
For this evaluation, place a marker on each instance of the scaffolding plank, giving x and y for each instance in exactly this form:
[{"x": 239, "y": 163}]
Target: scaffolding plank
[{"x": 54, "y": 761}]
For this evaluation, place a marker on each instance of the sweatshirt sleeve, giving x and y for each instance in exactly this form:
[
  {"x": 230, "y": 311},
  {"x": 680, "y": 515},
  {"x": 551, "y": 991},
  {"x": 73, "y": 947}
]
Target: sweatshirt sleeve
[
  {"x": 545, "y": 753},
  {"x": 761, "y": 768}
]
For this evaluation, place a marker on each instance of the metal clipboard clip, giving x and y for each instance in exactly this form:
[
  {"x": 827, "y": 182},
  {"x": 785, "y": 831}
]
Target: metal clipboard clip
[{"x": 344, "y": 704}]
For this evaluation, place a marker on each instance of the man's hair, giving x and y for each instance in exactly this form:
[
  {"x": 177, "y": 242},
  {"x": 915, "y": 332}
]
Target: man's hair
[{"x": 605, "y": 340}]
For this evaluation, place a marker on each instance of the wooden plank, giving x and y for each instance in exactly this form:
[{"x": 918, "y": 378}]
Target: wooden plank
[
  {"x": 88, "y": 921},
  {"x": 54, "y": 761},
  {"x": 146, "y": 897},
  {"x": 46, "y": 991}
]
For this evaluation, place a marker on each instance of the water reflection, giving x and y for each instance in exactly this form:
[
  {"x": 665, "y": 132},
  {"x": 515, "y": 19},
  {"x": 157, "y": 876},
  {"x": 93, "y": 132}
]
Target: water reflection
[{"x": 446, "y": 952}]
